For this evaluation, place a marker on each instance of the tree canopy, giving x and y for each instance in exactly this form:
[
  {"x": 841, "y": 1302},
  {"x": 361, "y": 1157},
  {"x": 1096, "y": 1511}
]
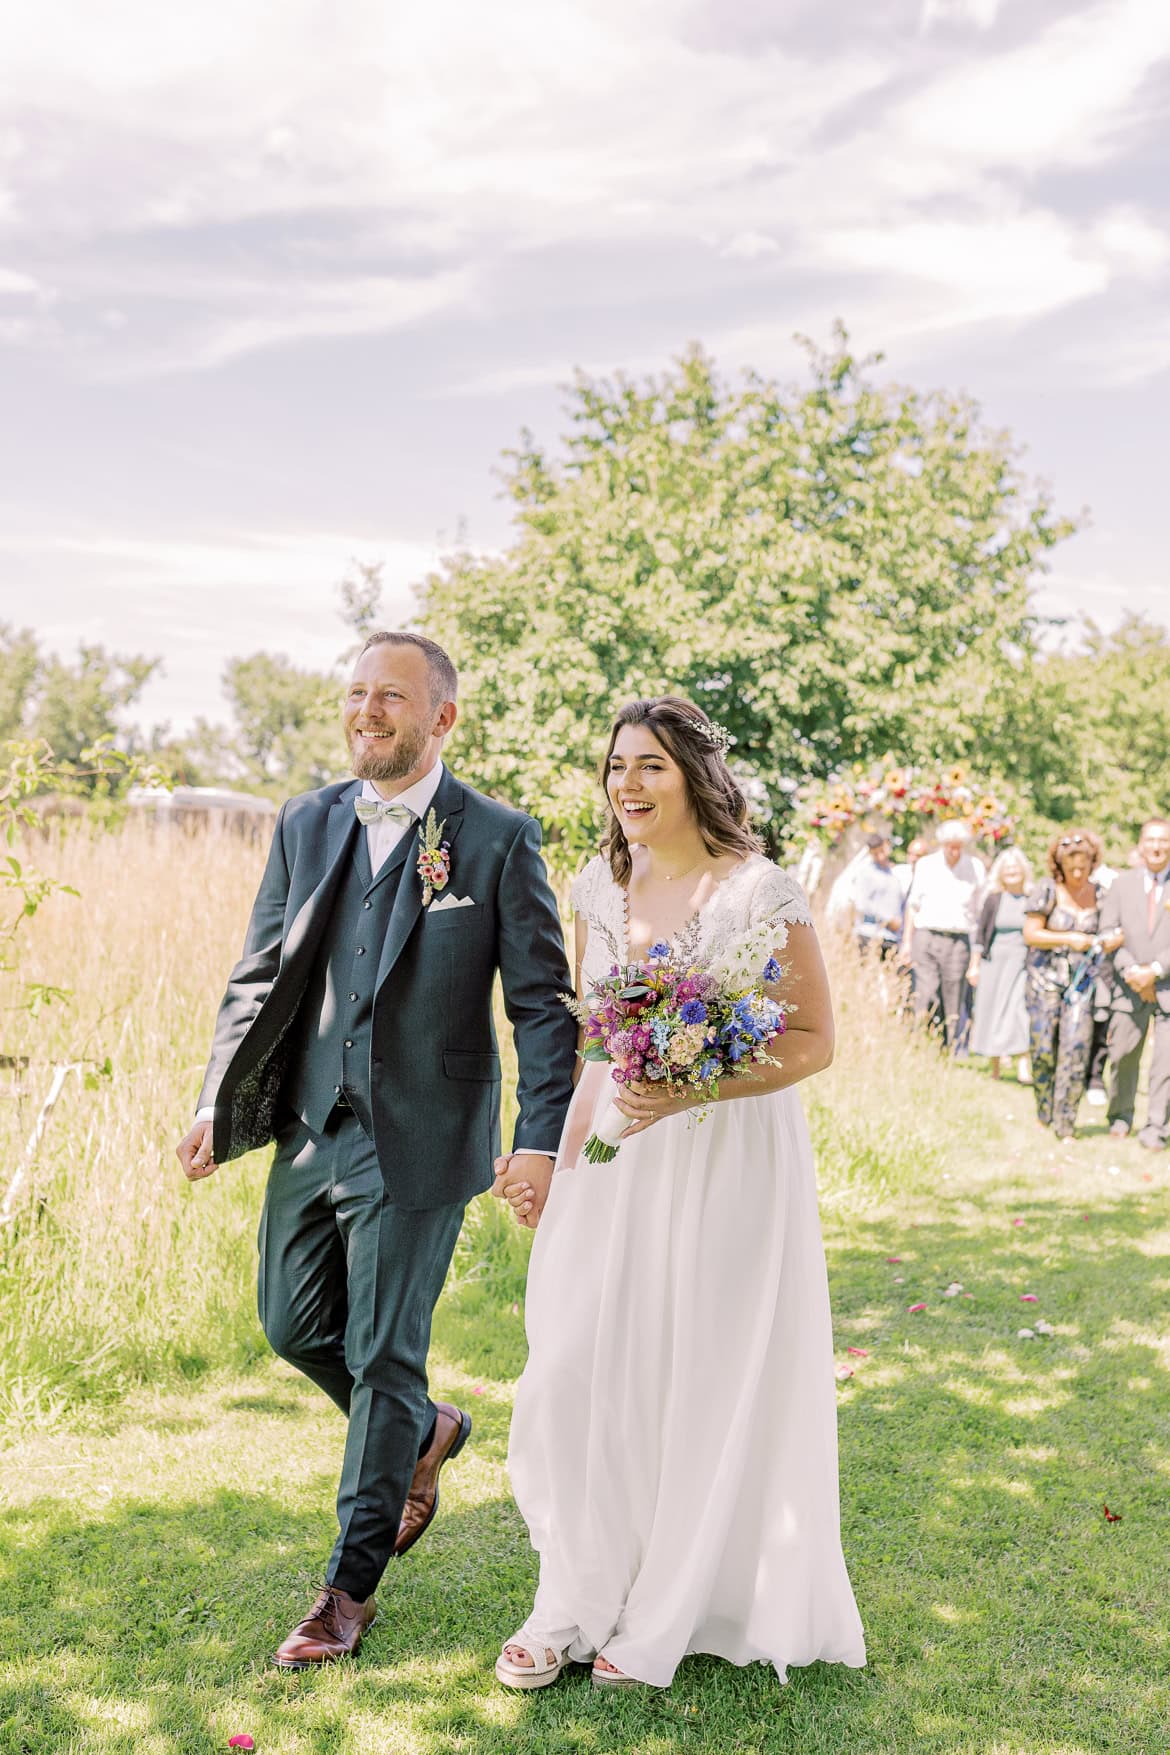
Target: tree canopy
[{"x": 825, "y": 568}]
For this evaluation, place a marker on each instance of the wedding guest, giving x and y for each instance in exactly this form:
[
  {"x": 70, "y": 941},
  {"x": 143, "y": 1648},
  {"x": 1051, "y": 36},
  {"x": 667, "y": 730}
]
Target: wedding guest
[
  {"x": 941, "y": 913},
  {"x": 1061, "y": 925},
  {"x": 1096, "y": 1095},
  {"x": 878, "y": 900},
  {"x": 1138, "y": 904},
  {"x": 907, "y": 867},
  {"x": 839, "y": 905},
  {"x": 999, "y": 1027}
]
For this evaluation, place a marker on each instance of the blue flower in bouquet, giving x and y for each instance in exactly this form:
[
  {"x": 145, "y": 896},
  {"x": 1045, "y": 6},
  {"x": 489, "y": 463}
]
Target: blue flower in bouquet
[
  {"x": 660, "y": 1034},
  {"x": 694, "y": 1012},
  {"x": 659, "y": 950},
  {"x": 736, "y": 1051},
  {"x": 771, "y": 970},
  {"x": 708, "y": 1070}
]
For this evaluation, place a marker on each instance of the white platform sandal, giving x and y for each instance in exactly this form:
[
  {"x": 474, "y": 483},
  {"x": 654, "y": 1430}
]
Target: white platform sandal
[
  {"x": 615, "y": 1679},
  {"x": 541, "y": 1673}
]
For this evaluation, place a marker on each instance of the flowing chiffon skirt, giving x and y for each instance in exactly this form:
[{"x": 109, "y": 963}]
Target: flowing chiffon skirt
[{"x": 674, "y": 1444}]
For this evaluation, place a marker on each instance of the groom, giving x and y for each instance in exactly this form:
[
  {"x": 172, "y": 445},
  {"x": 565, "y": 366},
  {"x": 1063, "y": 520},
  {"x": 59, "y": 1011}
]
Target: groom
[{"x": 357, "y": 1032}]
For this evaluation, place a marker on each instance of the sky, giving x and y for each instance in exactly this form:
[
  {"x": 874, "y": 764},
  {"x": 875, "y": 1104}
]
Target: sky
[{"x": 279, "y": 284}]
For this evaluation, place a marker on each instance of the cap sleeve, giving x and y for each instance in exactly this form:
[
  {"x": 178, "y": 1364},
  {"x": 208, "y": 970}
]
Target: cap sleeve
[
  {"x": 1041, "y": 898},
  {"x": 776, "y": 896},
  {"x": 584, "y": 887}
]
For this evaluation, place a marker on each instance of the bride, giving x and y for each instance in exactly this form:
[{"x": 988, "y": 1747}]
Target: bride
[{"x": 674, "y": 1445}]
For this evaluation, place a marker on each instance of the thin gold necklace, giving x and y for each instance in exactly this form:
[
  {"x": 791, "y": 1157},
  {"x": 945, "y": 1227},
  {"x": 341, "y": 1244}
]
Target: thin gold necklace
[{"x": 672, "y": 877}]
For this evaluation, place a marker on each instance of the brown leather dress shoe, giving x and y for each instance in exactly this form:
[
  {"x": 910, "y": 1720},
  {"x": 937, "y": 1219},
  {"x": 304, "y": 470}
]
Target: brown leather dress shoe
[
  {"x": 332, "y": 1629},
  {"x": 452, "y": 1430}
]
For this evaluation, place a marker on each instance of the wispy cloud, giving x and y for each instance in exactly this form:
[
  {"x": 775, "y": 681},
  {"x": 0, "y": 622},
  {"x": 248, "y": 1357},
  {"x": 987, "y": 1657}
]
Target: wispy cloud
[{"x": 373, "y": 168}]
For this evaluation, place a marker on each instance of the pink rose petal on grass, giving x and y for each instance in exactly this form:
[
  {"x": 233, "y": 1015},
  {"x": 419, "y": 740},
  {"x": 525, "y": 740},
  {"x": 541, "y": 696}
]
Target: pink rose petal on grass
[
  {"x": 844, "y": 1372},
  {"x": 911, "y": 1308},
  {"x": 478, "y": 1390},
  {"x": 1017, "y": 1221},
  {"x": 1029, "y": 1298},
  {"x": 858, "y": 1352},
  {"x": 893, "y": 1260},
  {"x": 242, "y": 1741}
]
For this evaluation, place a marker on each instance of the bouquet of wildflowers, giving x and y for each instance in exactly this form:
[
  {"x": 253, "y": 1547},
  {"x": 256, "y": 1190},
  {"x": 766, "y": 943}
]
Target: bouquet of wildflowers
[{"x": 668, "y": 1022}]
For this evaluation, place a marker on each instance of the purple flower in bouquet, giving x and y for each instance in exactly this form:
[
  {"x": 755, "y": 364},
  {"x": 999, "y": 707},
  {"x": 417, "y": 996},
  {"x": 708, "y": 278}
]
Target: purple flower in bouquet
[{"x": 666, "y": 1022}]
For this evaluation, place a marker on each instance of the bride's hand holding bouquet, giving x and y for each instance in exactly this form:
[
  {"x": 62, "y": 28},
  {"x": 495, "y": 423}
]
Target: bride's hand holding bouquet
[{"x": 671, "y": 1031}]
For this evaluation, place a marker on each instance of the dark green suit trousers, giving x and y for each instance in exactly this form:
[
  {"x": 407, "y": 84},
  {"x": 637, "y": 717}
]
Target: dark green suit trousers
[{"x": 348, "y": 1282}]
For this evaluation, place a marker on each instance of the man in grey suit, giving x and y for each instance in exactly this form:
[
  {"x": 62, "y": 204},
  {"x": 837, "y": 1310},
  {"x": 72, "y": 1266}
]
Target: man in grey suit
[
  {"x": 1139, "y": 903},
  {"x": 357, "y": 1032}
]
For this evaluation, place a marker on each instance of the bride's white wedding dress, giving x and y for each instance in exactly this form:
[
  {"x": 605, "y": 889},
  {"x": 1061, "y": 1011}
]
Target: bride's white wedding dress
[{"x": 674, "y": 1444}]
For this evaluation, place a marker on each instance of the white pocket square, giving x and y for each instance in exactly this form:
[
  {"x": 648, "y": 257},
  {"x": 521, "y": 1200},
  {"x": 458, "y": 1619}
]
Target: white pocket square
[{"x": 450, "y": 902}]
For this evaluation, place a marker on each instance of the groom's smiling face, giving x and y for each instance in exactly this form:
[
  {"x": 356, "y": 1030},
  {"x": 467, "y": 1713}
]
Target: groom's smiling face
[{"x": 393, "y": 726}]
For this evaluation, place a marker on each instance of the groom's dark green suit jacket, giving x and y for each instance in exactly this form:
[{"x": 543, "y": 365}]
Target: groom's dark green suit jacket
[{"x": 432, "y": 1076}]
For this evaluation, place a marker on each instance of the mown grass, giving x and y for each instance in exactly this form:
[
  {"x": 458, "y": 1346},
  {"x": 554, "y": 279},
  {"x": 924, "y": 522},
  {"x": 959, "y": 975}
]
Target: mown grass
[{"x": 161, "y": 1528}]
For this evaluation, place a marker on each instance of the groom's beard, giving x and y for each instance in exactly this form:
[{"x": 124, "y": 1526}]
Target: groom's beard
[{"x": 399, "y": 755}]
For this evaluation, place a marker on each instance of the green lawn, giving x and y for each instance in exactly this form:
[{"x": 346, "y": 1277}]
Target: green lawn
[{"x": 155, "y": 1550}]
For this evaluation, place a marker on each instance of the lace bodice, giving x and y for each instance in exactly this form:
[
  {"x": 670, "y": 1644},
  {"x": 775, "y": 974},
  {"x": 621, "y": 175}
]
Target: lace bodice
[{"x": 744, "y": 919}]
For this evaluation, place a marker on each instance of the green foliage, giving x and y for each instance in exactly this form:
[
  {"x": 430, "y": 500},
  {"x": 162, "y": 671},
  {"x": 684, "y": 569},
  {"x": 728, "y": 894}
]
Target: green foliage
[
  {"x": 28, "y": 769},
  {"x": 1093, "y": 739},
  {"x": 361, "y": 600},
  {"x": 285, "y": 734},
  {"x": 822, "y": 568},
  {"x": 19, "y": 663},
  {"x": 70, "y": 708}
]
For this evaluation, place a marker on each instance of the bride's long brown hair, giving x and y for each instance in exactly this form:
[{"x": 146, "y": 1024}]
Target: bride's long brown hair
[{"x": 719, "y": 807}]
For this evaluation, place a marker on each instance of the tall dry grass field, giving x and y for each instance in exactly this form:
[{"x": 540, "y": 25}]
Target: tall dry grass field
[{"x": 113, "y": 1269}]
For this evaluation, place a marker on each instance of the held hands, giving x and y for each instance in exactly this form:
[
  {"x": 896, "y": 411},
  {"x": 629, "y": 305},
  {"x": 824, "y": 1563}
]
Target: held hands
[
  {"x": 1079, "y": 941},
  {"x": 1141, "y": 978},
  {"x": 647, "y": 1103},
  {"x": 194, "y": 1152},
  {"x": 973, "y": 972},
  {"x": 523, "y": 1179}
]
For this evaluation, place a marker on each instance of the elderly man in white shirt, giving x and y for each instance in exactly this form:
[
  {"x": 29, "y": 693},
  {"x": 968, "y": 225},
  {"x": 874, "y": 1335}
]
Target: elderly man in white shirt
[{"x": 941, "y": 913}]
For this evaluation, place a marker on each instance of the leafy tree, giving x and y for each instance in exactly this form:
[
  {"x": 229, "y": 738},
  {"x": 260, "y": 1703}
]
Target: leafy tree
[
  {"x": 823, "y": 568},
  {"x": 79, "y": 704},
  {"x": 361, "y": 600},
  {"x": 1106, "y": 756},
  {"x": 285, "y": 735},
  {"x": 19, "y": 664}
]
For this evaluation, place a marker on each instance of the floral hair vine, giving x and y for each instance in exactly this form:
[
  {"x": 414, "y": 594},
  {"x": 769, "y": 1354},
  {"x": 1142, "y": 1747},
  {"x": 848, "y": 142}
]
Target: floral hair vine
[{"x": 715, "y": 734}]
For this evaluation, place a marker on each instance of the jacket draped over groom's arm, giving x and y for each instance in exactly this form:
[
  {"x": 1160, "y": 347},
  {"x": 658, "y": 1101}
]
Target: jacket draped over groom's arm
[{"x": 418, "y": 1042}]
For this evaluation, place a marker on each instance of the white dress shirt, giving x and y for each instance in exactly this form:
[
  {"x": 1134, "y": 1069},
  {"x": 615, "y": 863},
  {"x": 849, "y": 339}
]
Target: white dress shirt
[
  {"x": 382, "y": 837},
  {"x": 946, "y": 898},
  {"x": 1155, "y": 881}
]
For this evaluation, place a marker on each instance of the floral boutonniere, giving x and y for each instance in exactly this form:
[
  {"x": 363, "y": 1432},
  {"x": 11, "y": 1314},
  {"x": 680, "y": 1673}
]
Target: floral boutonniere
[{"x": 434, "y": 860}]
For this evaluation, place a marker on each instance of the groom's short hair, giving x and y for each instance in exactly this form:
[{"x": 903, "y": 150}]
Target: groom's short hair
[{"x": 444, "y": 677}]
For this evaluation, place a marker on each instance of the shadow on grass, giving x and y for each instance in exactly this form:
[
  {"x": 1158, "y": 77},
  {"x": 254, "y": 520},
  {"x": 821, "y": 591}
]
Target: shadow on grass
[
  {"x": 976, "y": 1465},
  {"x": 1002, "y": 1612}
]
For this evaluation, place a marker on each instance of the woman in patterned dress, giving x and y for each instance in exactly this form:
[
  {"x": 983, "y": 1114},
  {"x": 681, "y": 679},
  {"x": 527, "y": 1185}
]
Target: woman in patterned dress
[{"x": 1062, "y": 914}]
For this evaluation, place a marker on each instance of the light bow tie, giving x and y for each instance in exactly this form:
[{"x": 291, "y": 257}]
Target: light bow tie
[{"x": 377, "y": 810}]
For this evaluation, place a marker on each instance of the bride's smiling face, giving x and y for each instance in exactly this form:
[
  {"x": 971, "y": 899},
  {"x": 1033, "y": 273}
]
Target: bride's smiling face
[{"x": 646, "y": 788}]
